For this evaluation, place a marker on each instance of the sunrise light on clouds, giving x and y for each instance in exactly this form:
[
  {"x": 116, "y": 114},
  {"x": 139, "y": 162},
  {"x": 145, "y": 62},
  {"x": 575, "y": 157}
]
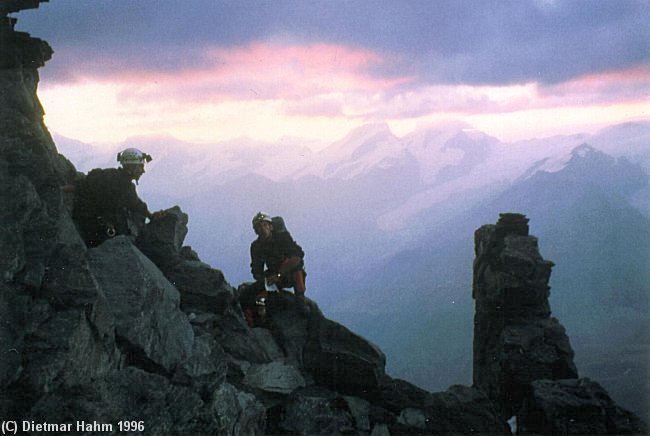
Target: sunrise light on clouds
[
  {"x": 293, "y": 99},
  {"x": 270, "y": 80}
]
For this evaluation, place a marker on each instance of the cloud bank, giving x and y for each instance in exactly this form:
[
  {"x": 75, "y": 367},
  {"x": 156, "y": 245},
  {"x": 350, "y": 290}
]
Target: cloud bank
[{"x": 169, "y": 67}]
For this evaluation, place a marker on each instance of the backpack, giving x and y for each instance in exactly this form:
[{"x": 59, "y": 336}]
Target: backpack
[{"x": 278, "y": 224}]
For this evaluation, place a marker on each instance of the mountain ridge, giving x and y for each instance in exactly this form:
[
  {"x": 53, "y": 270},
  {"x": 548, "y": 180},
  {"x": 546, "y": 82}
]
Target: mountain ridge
[{"x": 618, "y": 140}]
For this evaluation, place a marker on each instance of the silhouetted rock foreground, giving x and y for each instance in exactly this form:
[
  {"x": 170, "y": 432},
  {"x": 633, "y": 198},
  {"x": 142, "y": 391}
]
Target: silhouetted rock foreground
[{"x": 147, "y": 332}]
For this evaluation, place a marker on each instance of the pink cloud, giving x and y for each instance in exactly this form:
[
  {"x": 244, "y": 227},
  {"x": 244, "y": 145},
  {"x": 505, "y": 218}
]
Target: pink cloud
[
  {"x": 334, "y": 80},
  {"x": 260, "y": 71},
  {"x": 297, "y": 69},
  {"x": 597, "y": 90},
  {"x": 622, "y": 86}
]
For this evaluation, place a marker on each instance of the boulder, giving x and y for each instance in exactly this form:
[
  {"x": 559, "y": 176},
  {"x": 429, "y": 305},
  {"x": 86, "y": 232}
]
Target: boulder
[
  {"x": 162, "y": 238},
  {"x": 274, "y": 377},
  {"x": 333, "y": 355},
  {"x": 243, "y": 343},
  {"x": 238, "y": 412},
  {"x": 342, "y": 360},
  {"x": 575, "y": 406},
  {"x": 408, "y": 409},
  {"x": 148, "y": 323},
  {"x": 202, "y": 288},
  {"x": 291, "y": 328},
  {"x": 313, "y": 412}
]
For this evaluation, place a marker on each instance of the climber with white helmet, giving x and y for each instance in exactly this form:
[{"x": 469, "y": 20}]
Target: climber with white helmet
[
  {"x": 132, "y": 161},
  {"x": 106, "y": 203}
]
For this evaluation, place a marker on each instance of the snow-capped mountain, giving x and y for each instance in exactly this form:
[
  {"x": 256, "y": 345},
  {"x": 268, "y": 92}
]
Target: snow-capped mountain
[
  {"x": 364, "y": 149},
  {"x": 391, "y": 189},
  {"x": 630, "y": 140},
  {"x": 443, "y": 153}
]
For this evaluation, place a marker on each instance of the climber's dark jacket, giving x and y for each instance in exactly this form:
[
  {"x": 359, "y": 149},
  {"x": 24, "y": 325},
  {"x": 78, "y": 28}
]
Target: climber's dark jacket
[
  {"x": 275, "y": 252},
  {"x": 106, "y": 198}
]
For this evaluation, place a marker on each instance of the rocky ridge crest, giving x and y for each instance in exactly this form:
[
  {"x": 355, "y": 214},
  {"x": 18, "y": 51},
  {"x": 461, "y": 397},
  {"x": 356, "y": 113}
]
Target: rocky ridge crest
[{"x": 148, "y": 332}]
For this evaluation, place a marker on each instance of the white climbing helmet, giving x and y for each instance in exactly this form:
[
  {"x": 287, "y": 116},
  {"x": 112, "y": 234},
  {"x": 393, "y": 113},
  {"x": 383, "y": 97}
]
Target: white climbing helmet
[
  {"x": 132, "y": 156},
  {"x": 259, "y": 217}
]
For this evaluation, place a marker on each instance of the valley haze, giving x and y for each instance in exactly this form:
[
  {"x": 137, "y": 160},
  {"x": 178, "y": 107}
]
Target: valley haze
[{"x": 386, "y": 224}]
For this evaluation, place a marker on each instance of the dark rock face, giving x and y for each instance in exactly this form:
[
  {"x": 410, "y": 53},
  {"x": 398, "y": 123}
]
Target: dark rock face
[
  {"x": 307, "y": 374},
  {"x": 342, "y": 360},
  {"x": 202, "y": 288},
  {"x": 143, "y": 304},
  {"x": 30, "y": 169},
  {"x": 574, "y": 407},
  {"x": 515, "y": 339},
  {"x": 52, "y": 312},
  {"x": 9, "y": 6},
  {"x": 522, "y": 357}
]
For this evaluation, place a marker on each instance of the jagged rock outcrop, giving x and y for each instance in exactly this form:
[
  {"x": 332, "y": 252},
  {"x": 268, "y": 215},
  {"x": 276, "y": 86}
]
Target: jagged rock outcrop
[
  {"x": 203, "y": 288},
  {"x": 51, "y": 310},
  {"x": 31, "y": 170},
  {"x": 9, "y": 6},
  {"x": 515, "y": 339},
  {"x": 522, "y": 357}
]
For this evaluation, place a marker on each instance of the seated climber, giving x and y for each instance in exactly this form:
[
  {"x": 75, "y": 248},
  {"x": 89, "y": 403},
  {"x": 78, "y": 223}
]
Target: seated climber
[
  {"x": 276, "y": 263},
  {"x": 106, "y": 203}
]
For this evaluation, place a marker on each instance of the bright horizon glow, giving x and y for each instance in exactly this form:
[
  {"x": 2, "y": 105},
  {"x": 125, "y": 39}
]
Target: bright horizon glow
[
  {"x": 96, "y": 117},
  {"x": 539, "y": 123},
  {"x": 319, "y": 93}
]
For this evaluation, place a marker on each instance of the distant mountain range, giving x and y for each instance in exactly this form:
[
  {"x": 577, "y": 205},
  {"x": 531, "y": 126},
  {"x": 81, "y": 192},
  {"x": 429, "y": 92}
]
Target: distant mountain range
[
  {"x": 370, "y": 194},
  {"x": 387, "y": 226}
]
